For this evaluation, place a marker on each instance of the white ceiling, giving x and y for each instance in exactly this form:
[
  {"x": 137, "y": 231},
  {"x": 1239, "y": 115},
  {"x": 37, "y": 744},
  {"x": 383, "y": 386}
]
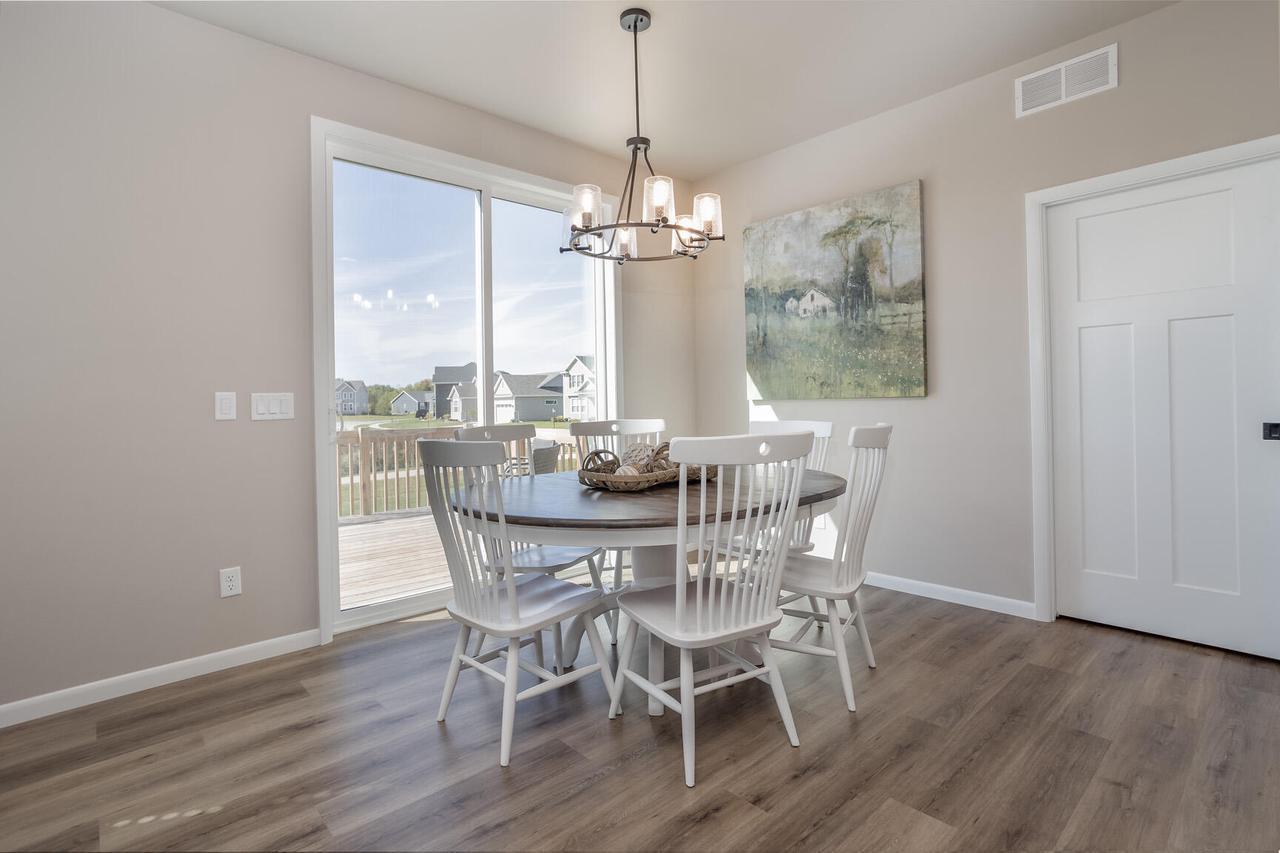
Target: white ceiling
[{"x": 721, "y": 82}]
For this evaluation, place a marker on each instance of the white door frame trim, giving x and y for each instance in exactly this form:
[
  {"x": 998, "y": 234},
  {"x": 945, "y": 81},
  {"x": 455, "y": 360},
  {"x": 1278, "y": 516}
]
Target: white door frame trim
[
  {"x": 330, "y": 139},
  {"x": 1038, "y": 349}
]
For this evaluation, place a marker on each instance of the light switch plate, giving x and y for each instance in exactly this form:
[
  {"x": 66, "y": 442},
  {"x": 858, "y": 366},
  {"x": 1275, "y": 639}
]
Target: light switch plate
[
  {"x": 224, "y": 405},
  {"x": 274, "y": 406}
]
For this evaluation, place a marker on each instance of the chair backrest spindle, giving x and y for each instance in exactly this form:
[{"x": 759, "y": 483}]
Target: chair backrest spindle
[{"x": 870, "y": 452}]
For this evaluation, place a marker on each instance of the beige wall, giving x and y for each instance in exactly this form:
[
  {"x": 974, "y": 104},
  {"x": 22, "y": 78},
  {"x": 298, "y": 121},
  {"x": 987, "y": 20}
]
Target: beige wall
[
  {"x": 155, "y": 236},
  {"x": 956, "y": 505}
]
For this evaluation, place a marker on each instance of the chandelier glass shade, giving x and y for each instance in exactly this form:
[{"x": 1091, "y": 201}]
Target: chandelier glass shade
[{"x": 586, "y": 232}]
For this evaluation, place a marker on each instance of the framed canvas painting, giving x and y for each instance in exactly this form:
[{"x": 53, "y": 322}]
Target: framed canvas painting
[{"x": 835, "y": 299}]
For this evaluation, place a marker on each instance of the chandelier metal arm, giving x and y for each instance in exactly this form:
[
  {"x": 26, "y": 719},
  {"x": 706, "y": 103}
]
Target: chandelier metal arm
[
  {"x": 697, "y": 243},
  {"x": 631, "y": 178},
  {"x": 628, "y": 190}
]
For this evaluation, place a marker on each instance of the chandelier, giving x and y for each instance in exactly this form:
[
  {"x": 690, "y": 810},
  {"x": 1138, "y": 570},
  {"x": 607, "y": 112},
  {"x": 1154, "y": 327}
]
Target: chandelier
[{"x": 587, "y": 232}]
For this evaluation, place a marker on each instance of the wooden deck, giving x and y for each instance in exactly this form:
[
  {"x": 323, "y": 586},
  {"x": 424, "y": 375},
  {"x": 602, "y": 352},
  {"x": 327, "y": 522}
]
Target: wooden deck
[
  {"x": 395, "y": 556},
  {"x": 389, "y": 558}
]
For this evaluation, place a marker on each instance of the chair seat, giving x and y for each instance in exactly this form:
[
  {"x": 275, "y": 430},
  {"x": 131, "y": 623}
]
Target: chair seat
[
  {"x": 550, "y": 558},
  {"x": 655, "y": 610},
  {"x": 809, "y": 575},
  {"x": 542, "y": 600}
]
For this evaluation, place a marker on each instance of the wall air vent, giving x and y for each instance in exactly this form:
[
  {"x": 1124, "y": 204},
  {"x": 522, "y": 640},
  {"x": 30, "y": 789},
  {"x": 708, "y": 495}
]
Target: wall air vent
[{"x": 1085, "y": 75}]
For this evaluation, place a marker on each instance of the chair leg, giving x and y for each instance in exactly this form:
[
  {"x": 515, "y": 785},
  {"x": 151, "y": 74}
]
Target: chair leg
[
  {"x": 686, "y": 711},
  {"x": 455, "y": 664},
  {"x": 557, "y": 635},
  {"x": 860, "y": 622},
  {"x": 509, "y": 700},
  {"x": 813, "y": 604},
  {"x": 615, "y": 614},
  {"x": 480, "y": 638},
  {"x": 597, "y": 649},
  {"x": 624, "y": 661},
  {"x": 779, "y": 692},
  {"x": 842, "y": 653},
  {"x": 593, "y": 566},
  {"x": 539, "y": 655},
  {"x": 657, "y": 672}
]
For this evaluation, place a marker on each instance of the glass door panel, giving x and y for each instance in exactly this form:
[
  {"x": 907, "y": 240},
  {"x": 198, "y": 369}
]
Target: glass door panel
[
  {"x": 404, "y": 319},
  {"x": 545, "y": 320}
]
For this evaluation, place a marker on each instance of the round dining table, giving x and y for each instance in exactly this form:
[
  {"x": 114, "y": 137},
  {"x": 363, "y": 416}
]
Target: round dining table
[{"x": 555, "y": 509}]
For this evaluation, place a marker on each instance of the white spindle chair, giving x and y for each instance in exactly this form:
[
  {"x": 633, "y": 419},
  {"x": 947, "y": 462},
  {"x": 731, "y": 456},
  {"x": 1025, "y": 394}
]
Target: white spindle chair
[
  {"x": 734, "y": 595},
  {"x": 490, "y": 595},
  {"x": 545, "y": 456},
  {"x": 615, "y": 436},
  {"x": 802, "y": 537},
  {"x": 518, "y": 439},
  {"x": 841, "y": 577}
]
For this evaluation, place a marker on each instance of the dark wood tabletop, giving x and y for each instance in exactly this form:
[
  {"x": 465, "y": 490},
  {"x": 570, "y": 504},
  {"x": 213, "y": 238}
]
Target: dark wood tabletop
[{"x": 559, "y": 500}]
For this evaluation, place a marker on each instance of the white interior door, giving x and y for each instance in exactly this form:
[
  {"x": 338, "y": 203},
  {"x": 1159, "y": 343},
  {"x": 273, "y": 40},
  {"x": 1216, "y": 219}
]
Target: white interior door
[{"x": 1165, "y": 330}]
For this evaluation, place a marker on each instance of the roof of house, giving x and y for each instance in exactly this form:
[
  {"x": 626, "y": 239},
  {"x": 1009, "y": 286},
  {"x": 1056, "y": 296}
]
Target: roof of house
[
  {"x": 530, "y": 384},
  {"x": 355, "y": 384},
  {"x": 588, "y": 361},
  {"x": 420, "y": 396},
  {"x": 465, "y": 390},
  {"x": 454, "y": 373}
]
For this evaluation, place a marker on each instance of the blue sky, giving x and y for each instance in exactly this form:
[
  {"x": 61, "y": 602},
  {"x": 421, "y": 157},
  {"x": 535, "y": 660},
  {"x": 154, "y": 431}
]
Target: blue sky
[{"x": 404, "y": 281}]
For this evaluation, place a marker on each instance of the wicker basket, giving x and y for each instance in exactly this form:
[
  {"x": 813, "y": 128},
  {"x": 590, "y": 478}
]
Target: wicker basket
[{"x": 599, "y": 469}]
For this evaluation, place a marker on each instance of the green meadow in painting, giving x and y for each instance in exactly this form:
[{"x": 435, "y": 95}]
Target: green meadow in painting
[{"x": 835, "y": 299}]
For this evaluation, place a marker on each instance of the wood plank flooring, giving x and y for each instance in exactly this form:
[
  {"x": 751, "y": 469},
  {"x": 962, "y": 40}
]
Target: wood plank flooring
[{"x": 977, "y": 732}]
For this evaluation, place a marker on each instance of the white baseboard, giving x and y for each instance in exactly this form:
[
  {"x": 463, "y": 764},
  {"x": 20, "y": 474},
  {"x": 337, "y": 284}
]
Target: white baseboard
[
  {"x": 955, "y": 595},
  {"x": 133, "y": 682}
]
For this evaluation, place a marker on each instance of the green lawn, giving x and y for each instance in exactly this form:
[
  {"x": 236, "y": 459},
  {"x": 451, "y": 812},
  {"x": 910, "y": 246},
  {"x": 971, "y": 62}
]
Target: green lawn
[
  {"x": 395, "y": 422},
  {"x": 410, "y": 422}
]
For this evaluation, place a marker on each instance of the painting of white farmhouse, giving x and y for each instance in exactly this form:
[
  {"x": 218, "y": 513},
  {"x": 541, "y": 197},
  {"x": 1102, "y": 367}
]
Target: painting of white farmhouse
[{"x": 835, "y": 299}]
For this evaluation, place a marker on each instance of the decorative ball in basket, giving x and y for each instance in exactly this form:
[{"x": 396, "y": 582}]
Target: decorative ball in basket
[{"x": 641, "y": 467}]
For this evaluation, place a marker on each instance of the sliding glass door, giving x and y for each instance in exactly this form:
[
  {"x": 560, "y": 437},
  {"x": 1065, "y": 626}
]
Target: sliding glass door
[{"x": 446, "y": 303}]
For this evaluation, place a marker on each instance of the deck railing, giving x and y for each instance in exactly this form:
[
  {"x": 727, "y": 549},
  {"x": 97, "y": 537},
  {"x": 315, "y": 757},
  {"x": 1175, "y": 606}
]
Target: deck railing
[{"x": 378, "y": 469}]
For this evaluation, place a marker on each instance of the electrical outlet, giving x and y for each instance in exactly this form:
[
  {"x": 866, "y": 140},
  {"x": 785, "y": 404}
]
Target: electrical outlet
[{"x": 229, "y": 582}]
